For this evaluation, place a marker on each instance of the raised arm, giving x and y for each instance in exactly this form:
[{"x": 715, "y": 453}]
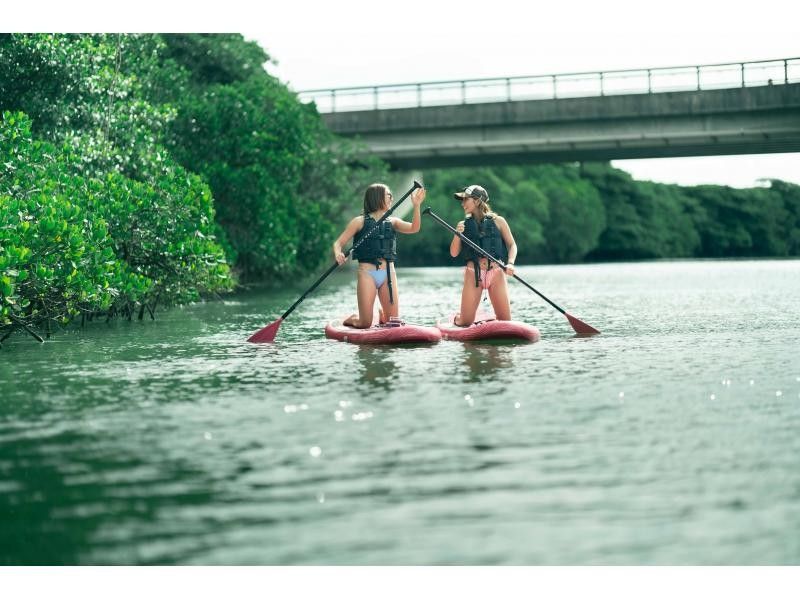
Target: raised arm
[
  {"x": 349, "y": 232},
  {"x": 401, "y": 226}
]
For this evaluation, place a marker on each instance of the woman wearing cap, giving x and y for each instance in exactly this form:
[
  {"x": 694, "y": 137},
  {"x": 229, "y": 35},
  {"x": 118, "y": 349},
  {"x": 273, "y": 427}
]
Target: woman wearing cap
[
  {"x": 375, "y": 255},
  {"x": 492, "y": 234}
]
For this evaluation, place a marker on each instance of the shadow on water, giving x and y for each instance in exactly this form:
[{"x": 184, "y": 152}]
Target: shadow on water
[
  {"x": 378, "y": 366},
  {"x": 485, "y": 361}
]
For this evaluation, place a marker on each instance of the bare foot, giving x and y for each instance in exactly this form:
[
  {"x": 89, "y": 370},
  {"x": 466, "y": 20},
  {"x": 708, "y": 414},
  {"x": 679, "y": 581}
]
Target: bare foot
[
  {"x": 351, "y": 320},
  {"x": 457, "y": 321},
  {"x": 381, "y": 317}
]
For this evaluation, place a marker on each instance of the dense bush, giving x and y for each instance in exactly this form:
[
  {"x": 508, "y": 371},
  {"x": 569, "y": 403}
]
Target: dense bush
[
  {"x": 55, "y": 260},
  {"x": 72, "y": 244},
  {"x": 280, "y": 179},
  {"x": 116, "y": 126}
]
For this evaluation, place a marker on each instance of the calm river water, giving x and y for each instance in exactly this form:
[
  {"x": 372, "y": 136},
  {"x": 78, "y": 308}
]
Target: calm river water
[{"x": 671, "y": 438}]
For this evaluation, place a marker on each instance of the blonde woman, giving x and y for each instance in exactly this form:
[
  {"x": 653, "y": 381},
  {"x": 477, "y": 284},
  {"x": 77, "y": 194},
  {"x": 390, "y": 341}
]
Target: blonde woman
[{"x": 492, "y": 234}]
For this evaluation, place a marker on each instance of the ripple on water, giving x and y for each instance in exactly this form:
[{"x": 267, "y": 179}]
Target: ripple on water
[{"x": 668, "y": 439}]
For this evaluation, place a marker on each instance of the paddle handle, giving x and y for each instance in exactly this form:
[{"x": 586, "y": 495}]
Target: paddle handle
[
  {"x": 335, "y": 265},
  {"x": 486, "y": 254}
]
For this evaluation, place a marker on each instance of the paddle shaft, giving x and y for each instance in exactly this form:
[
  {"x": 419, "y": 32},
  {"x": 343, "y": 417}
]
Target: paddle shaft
[
  {"x": 335, "y": 265},
  {"x": 484, "y": 253}
]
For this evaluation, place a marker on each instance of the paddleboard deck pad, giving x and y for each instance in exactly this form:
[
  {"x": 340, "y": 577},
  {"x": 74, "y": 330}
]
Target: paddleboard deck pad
[
  {"x": 487, "y": 328},
  {"x": 383, "y": 334}
]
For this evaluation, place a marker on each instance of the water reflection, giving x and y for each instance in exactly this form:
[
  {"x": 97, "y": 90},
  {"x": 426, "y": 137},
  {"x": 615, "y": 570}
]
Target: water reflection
[
  {"x": 71, "y": 498},
  {"x": 378, "y": 366},
  {"x": 484, "y": 361}
]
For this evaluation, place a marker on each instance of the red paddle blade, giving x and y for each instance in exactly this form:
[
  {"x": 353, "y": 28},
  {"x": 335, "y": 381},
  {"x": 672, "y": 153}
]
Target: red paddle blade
[
  {"x": 267, "y": 333},
  {"x": 581, "y": 327}
]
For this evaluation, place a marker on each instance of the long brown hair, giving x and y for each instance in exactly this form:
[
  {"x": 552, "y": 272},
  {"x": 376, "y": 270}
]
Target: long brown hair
[{"x": 375, "y": 197}]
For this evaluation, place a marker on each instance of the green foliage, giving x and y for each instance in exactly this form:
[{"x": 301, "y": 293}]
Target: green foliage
[
  {"x": 553, "y": 214},
  {"x": 124, "y": 122},
  {"x": 215, "y": 59},
  {"x": 577, "y": 215},
  {"x": 252, "y": 157},
  {"x": 164, "y": 233},
  {"x": 280, "y": 179},
  {"x": 746, "y": 222},
  {"x": 644, "y": 220},
  {"x": 71, "y": 244},
  {"x": 790, "y": 194},
  {"x": 54, "y": 260},
  {"x": 74, "y": 90},
  {"x": 567, "y": 213},
  {"x": 650, "y": 220}
]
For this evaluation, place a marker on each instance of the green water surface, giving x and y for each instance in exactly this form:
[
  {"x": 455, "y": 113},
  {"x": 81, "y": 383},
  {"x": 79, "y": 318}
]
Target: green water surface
[{"x": 671, "y": 438}]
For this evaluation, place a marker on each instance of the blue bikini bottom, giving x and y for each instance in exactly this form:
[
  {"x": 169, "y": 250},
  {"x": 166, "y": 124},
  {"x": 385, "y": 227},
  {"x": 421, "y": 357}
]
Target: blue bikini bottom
[
  {"x": 381, "y": 276},
  {"x": 378, "y": 277}
]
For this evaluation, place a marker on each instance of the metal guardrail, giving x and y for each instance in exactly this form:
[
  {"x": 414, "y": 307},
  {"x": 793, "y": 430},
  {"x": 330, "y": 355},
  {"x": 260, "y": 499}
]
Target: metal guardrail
[{"x": 567, "y": 85}]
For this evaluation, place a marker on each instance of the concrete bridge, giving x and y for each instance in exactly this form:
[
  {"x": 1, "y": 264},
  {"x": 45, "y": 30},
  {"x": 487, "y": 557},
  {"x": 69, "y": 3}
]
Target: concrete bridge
[{"x": 741, "y": 108}]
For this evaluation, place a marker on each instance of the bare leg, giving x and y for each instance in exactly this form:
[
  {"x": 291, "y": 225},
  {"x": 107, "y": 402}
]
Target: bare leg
[
  {"x": 498, "y": 295},
  {"x": 470, "y": 298},
  {"x": 389, "y": 309},
  {"x": 365, "y": 292}
]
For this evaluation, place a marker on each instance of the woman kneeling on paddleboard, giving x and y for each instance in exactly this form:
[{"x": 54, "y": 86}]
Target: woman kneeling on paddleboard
[
  {"x": 492, "y": 234},
  {"x": 375, "y": 255}
]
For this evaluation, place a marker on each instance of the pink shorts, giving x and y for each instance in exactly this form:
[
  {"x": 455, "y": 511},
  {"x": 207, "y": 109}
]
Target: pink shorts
[{"x": 487, "y": 276}]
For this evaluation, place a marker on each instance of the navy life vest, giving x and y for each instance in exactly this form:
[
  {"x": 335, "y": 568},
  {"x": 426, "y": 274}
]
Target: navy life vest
[
  {"x": 380, "y": 244},
  {"x": 485, "y": 235}
]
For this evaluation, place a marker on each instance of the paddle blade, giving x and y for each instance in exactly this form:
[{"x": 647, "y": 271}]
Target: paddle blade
[
  {"x": 580, "y": 327},
  {"x": 267, "y": 333}
]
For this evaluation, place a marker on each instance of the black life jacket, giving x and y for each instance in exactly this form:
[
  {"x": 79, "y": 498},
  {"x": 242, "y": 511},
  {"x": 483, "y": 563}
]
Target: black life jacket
[
  {"x": 380, "y": 244},
  {"x": 485, "y": 235}
]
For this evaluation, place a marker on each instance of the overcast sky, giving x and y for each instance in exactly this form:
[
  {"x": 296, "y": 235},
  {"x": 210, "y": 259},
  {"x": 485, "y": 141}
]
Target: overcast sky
[{"x": 340, "y": 43}]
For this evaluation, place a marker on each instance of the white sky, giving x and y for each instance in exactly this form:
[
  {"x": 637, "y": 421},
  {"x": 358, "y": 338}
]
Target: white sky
[{"x": 340, "y": 43}]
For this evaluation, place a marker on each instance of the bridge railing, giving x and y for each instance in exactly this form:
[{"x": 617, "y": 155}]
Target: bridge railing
[{"x": 567, "y": 85}]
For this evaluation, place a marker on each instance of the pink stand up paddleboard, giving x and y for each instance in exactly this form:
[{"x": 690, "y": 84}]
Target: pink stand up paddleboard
[
  {"x": 486, "y": 327},
  {"x": 382, "y": 334}
]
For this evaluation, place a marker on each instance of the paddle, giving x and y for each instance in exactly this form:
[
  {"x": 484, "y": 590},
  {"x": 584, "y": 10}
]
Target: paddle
[
  {"x": 577, "y": 325},
  {"x": 267, "y": 334}
]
